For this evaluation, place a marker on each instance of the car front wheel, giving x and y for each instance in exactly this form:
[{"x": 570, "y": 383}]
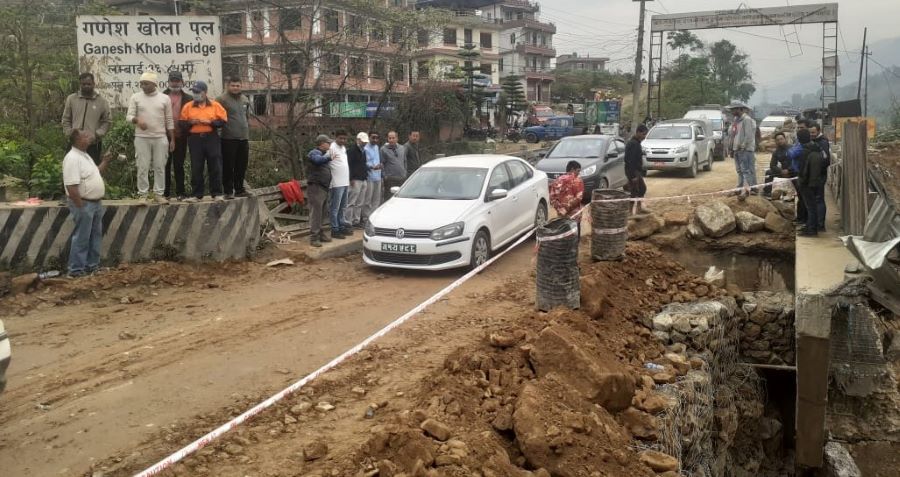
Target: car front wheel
[
  {"x": 540, "y": 216},
  {"x": 531, "y": 137},
  {"x": 692, "y": 172},
  {"x": 481, "y": 250}
]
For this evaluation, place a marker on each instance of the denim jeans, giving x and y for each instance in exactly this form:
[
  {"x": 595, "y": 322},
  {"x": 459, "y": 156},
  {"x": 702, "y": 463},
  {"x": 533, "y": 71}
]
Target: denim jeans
[
  {"x": 84, "y": 253},
  {"x": 820, "y": 206},
  {"x": 747, "y": 163},
  {"x": 338, "y": 199},
  {"x": 814, "y": 197}
]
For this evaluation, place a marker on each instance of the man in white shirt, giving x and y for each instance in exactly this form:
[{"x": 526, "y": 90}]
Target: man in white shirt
[
  {"x": 340, "y": 184},
  {"x": 84, "y": 188},
  {"x": 154, "y": 136}
]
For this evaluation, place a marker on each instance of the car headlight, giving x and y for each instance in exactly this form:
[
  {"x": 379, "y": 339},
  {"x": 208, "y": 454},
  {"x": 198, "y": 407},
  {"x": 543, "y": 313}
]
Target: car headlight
[
  {"x": 370, "y": 229},
  {"x": 448, "y": 232},
  {"x": 588, "y": 171},
  {"x": 680, "y": 149}
]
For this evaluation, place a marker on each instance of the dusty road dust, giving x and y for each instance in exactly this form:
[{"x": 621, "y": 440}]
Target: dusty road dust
[{"x": 124, "y": 367}]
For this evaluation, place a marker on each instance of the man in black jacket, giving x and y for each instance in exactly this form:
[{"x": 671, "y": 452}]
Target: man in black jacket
[
  {"x": 811, "y": 181},
  {"x": 359, "y": 172},
  {"x": 780, "y": 165},
  {"x": 815, "y": 132},
  {"x": 179, "y": 97},
  {"x": 634, "y": 166}
]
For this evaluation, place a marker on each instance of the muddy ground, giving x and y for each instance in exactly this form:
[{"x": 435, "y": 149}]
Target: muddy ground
[{"x": 117, "y": 370}]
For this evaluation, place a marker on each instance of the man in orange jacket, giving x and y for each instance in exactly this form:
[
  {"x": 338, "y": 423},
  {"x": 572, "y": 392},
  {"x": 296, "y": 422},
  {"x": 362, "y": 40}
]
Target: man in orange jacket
[{"x": 202, "y": 117}]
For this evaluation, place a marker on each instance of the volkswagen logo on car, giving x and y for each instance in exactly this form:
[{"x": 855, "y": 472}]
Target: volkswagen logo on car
[{"x": 400, "y": 233}]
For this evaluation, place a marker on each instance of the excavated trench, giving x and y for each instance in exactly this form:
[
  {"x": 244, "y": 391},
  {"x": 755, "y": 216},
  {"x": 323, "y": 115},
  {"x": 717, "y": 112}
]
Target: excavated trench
[{"x": 750, "y": 364}]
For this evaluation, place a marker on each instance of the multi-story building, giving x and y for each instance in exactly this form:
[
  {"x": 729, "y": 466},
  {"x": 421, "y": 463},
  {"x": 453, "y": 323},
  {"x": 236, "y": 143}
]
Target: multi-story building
[
  {"x": 526, "y": 45},
  {"x": 574, "y": 62}
]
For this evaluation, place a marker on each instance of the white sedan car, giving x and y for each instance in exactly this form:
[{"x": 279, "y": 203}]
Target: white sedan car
[{"x": 454, "y": 212}]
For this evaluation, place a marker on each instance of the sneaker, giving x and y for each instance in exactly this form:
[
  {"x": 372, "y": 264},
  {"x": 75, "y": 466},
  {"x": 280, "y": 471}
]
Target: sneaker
[
  {"x": 359, "y": 226},
  {"x": 324, "y": 238},
  {"x": 337, "y": 236},
  {"x": 74, "y": 275},
  {"x": 315, "y": 243},
  {"x": 348, "y": 232},
  {"x": 807, "y": 233},
  {"x": 192, "y": 200},
  {"x": 218, "y": 198},
  {"x": 242, "y": 193},
  {"x": 161, "y": 200},
  {"x": 229, "y": 196},
  {"x": 142, "y": 200}
]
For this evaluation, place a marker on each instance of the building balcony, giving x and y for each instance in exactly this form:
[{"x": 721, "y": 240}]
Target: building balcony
[
  {"x": 546, "y": 27},
  {"x": 526, "y": 5},
  {"x": 470, "y": 18},
  {"x": 536, "y": 49},
  {"x": 538, "y": 73}
]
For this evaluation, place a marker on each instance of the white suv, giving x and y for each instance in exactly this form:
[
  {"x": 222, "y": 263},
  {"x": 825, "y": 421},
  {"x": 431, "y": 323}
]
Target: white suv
[
  {"x": 4, "y": 356},
  {"x": 682, "y": 144}
]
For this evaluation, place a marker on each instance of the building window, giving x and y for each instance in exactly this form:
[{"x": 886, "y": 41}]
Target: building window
[
  {"x": 450, "y": 36},
  {"x": 486, "y": 68},
  {"x": 357, "y": 26},
  {"x": 512, "y": 38},
  {"x": 378, "y": 69},
  {"x": 377, "y": 33},
  {"x": 292, "y": 64},
  {"x": 332, "y": 23},
  {"x": 358, "y": 67},
  {"x": 233, "y": 24},
  {"x": 423, "y": 70},
  {"x": 260, "y": 105},
  {"x": 257, "y": 16},
  {"x": 500, "y": 65},
  {"x": 333, "y": 64},
  {"x": 422, "y": 37},
  {"x": 580, "y": 66},
  {"x": 231, "y": 66},
  {"x": 487, "y": 40},
  {"x": 289, "y": 19},
  {"x": 397, "y": 35},
  {"x": 467, "y": 36},
  {"x": 398, "y": 72},
  {"x": 543, "y": 40},
  {"x": 596, "y": 66}
]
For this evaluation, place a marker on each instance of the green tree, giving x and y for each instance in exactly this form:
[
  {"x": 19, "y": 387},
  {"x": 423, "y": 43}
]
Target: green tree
[
  {"x": 579, "y": 85},
  {"x": 473, "y": 93}
]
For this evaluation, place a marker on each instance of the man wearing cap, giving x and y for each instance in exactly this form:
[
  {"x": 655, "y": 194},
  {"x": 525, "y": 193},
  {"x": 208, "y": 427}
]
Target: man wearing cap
[
  {"x": 202, "y": 117},
  {"x": 359, "y": 172},
  {"x": 235, "y": 139},
  {"x": 178, "y": 97},
  {"x": 154, "y": 136},
  {"x": 86, "y": 110},
  {"x": 318, "y": 182},
  {"x": 745, "y": 148}
]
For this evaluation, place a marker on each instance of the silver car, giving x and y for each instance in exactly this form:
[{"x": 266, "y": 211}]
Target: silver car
[
  {"x": 602, "y": 160},
  {"x": 682, "y": 144}
]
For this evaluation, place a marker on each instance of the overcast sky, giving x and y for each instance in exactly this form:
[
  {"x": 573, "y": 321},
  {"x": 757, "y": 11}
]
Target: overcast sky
[{"x": 609, "y": 28}]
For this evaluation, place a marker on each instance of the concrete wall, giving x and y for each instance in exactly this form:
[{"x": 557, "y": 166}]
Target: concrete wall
[{"x": 37, "y": 238}]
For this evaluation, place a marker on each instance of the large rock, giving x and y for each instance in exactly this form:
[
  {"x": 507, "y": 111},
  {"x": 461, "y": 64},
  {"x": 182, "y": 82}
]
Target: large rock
[
  {"x": 839, "y": 462},
  {"x": 756, "y": 205},
  {"x": 557, "y": 350},
  {"x": 749, "y": 223},
  {"x": 694, "y": 231},
  {"x": 676, "y": 217},
  {"x": 658, "y": 461},
  {"x": 643, "y": 226},
  {"x": 775, "y": 223},
  {"x": 640, "y": 424},
  {"x": 716, "y": 219}
]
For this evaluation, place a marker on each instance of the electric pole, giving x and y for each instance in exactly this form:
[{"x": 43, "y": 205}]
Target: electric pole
[
  {"x": 862, "y": 58},
  {"x": 638, "y": 62},
  {"x": 866, "y": 91}
]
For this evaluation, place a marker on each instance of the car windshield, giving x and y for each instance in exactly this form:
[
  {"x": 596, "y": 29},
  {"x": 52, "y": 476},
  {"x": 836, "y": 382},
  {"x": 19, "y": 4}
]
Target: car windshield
[
  {"x": 543, "y": 113},
  {"x": 444, "y": 183},
  {"x": 716, "y": 124},
  {"x": 577, "y": 148},
  {"x": 670, "y": 132},
  {"x": 771, "y": 124}
]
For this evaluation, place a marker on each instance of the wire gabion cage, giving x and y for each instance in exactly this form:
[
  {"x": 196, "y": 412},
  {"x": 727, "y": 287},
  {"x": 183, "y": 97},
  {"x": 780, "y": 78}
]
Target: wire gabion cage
[
  {"x": 558, "y": 276},
  {"x": 609, "y": 224}
]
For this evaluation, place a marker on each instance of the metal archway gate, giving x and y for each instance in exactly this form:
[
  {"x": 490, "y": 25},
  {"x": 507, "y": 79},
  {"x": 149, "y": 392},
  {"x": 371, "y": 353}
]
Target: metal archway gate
[{"x": 824, "y": 13}]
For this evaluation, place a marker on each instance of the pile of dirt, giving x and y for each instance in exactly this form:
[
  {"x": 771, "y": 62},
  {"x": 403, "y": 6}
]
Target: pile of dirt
[
  {"x": 563, "y": 393},
  {"x": 134, "y": 279}
]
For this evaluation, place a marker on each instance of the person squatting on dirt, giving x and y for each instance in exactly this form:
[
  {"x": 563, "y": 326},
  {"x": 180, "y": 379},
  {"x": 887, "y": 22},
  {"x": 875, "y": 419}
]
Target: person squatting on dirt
[
  {"x": 84, "y": 188},
  {"x": 87, "y": 111},
  {"x": 634, "y": 167},
  {"x": 318, "y": 183},
  {"x": 811, "y": 178},
  {"x": 780, "y": 164},
  {"x": 202, "y": 117},
  {"x": 154, "y": 136},
  {"x": 567, "y": 192}
]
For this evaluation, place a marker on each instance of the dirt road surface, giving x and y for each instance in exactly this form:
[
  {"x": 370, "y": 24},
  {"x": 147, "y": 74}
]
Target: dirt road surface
[{"x": 122, "y": 367}]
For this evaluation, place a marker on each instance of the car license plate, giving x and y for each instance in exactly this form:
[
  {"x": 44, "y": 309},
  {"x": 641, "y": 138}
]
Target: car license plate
[
  {"x": 398, "y": 247},
  {"x": 658, "y": 164}
]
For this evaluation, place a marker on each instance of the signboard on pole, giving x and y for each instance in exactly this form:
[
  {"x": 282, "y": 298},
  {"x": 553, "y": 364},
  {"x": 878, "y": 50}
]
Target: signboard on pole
[
  {"x": 745, "y": 17},
  {"x": 118, "y": 49}
]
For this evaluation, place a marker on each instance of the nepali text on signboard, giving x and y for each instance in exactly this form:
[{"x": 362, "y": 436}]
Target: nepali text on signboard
[
  {"x": 745, "y": 17},
  {"x": 118, "y": 49}
]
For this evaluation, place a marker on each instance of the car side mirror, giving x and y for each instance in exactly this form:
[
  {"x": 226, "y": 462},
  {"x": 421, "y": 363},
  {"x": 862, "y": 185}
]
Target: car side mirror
[
  {"x": 612, "y": 155},
  {"x": 701, "y": 138},
  {"x": 542, "y": 155},
  {"x": 497, "y": 194},
  {"x": 395, "y": 189}
]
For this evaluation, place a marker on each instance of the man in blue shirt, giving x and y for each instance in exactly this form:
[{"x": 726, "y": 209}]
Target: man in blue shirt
[
  {"x": 794, "y": 154},
  {"x": 373, "y": 164}
]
